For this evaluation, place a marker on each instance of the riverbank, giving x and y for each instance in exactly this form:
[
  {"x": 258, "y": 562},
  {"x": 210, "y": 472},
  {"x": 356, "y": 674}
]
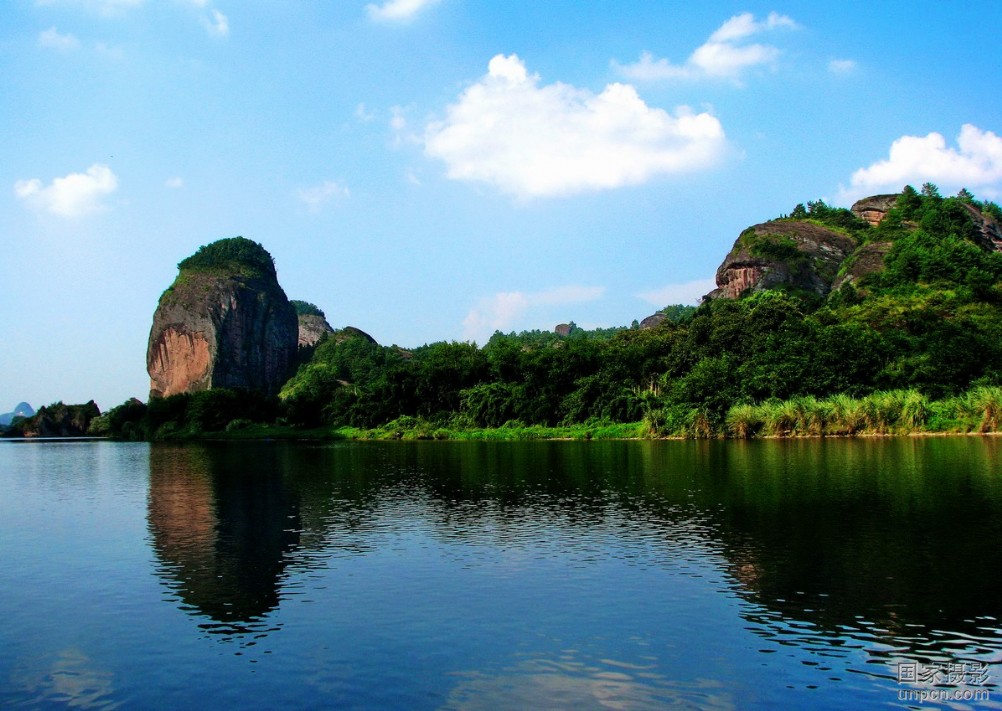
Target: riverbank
[
  {"x": 889, "y": 414},
  {"x": 415, "y": 429}
]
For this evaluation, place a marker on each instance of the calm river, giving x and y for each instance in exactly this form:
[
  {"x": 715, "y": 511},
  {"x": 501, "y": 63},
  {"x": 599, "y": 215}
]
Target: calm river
[{"x": 801, "y": 574}]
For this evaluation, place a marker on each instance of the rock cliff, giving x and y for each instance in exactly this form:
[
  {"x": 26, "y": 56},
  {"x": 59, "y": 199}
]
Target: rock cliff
[
  {"x": 866, "y": 260},
  {"x": 224, "y": 323},
  {"x": 782, "y": 253},
  {"x": 873, "y": 209},
  {"x": 804, "y": 255},
  {"x": 989, "y": 229},
  {"x": 312, "y": 323}
]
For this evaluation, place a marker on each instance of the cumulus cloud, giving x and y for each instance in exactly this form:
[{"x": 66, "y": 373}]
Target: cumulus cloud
[
  {"x": 975, "y": 162},
  {"x": 52, "y": 39},
  {"x": 689, "y": 292},
  {"x": 319, "y": 195},
  {"x": 73, "y": 195},
  {"x": 506, "y": 310},
  {"x": 725, "y": 55},
  {"x": 534, "y": 140},
  {"x": 397, "y": 10}
]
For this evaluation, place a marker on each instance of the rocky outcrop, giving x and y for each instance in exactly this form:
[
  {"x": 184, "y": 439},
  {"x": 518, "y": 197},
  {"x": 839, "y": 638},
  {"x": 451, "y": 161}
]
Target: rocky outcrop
[
  {"x": 653, "y": 321},
  {"x": 873, "y": 209},
  {"x": 348, "y": 332},
  {"x": 782, "y": 254},
  {"x": 868, "y": 259},
  {"x": 989, "y": 231},
  {"x": 311, "y": 329},
  {"x": 312, "y": 323},
  {"x": 224, "y": 323},
  {"x": 563, "y": 329}
]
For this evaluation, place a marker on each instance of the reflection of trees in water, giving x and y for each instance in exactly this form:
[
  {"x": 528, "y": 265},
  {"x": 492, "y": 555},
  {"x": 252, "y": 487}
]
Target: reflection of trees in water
[
  {"x": 889, "y": 542},
  {"x": 893, "y": 542}
]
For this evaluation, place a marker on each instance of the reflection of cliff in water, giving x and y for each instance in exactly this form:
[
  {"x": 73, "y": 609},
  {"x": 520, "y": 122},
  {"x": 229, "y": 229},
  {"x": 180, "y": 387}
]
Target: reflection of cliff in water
[
  {"x": 222, "y": 523},
  {"x": 229, "y": 521},
  {"x": 892, "y": 543}
]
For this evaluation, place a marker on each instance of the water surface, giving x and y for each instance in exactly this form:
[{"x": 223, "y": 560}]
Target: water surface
[{"x": 499, "y": 575}]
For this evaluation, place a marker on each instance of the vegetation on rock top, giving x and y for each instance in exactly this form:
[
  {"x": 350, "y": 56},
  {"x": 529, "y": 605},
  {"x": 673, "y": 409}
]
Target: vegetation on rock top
[
  {"x": 234, "y": 255},
  {"x": 305, "y": 308}
]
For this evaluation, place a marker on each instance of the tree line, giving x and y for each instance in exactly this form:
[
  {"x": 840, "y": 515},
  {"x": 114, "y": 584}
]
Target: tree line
[{"x": 928, "y": 323}]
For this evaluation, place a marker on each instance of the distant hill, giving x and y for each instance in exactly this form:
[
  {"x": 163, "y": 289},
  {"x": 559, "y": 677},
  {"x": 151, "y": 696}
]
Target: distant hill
[{"x": 23, "y": 409}]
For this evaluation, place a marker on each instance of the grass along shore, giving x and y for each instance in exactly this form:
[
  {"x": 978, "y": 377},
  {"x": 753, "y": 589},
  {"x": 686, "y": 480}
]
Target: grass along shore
[{"x": 893, "y": 412}]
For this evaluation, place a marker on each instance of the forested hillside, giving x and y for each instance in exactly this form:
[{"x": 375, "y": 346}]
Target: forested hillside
[{"x": 907, "y": 310}]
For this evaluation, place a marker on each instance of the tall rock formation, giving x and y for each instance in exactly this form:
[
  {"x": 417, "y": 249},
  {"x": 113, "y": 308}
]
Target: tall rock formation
[{"x": 224, "y": 323}]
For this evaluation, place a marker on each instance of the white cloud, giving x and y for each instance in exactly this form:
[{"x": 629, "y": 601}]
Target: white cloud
[
  {"x": 842, "y": 66},
  {"x": 397, "y": 10},
  {"x": 174, "y": 183},
  {"x": 74, "y": 195},
  {"x": 52, "y": 39},
  {"x": 689, "y": 292},
  {"x": 722, "y": 56},
  {"x": 319, "y": 195},
  {"x": 216, "y": 23},
  {"x": 532, "y": 140},
  {"x": 975, "y": 163},
  {"x": 506, "y": 310}
]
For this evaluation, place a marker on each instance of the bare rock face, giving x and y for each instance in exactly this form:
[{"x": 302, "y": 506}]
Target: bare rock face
[
  {"x": 653, "y": 321},
  {"x": 989, "y": 230},
  {"x": 873, "y": 209},
  {"x": 563, "y": 329},
  {"x": 866, "y": 260},
  {"x": 312, "y": 323},
  {"x": 782, "y": 253},
  {"x": 311, "y": 329},
  {"x": 224, "y": 323}
]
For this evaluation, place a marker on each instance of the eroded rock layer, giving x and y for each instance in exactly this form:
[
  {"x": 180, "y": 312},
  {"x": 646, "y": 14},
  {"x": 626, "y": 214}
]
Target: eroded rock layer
[
  {"x": 782, "y": 253},
  {"x": 224, "y": 323}
]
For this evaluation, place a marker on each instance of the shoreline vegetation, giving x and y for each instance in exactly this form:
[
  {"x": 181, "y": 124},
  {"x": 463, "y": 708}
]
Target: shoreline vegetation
[
  {"x": 881, "y": 414},
  {"x": 843, "y": 326}
]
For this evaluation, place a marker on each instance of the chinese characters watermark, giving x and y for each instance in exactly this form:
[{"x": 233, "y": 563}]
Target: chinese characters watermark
[{"x": 945, "y": 681}]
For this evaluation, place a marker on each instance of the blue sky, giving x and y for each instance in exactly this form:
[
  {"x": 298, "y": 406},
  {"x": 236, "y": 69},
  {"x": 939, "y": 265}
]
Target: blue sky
[{"x": 436, "y": 170}]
